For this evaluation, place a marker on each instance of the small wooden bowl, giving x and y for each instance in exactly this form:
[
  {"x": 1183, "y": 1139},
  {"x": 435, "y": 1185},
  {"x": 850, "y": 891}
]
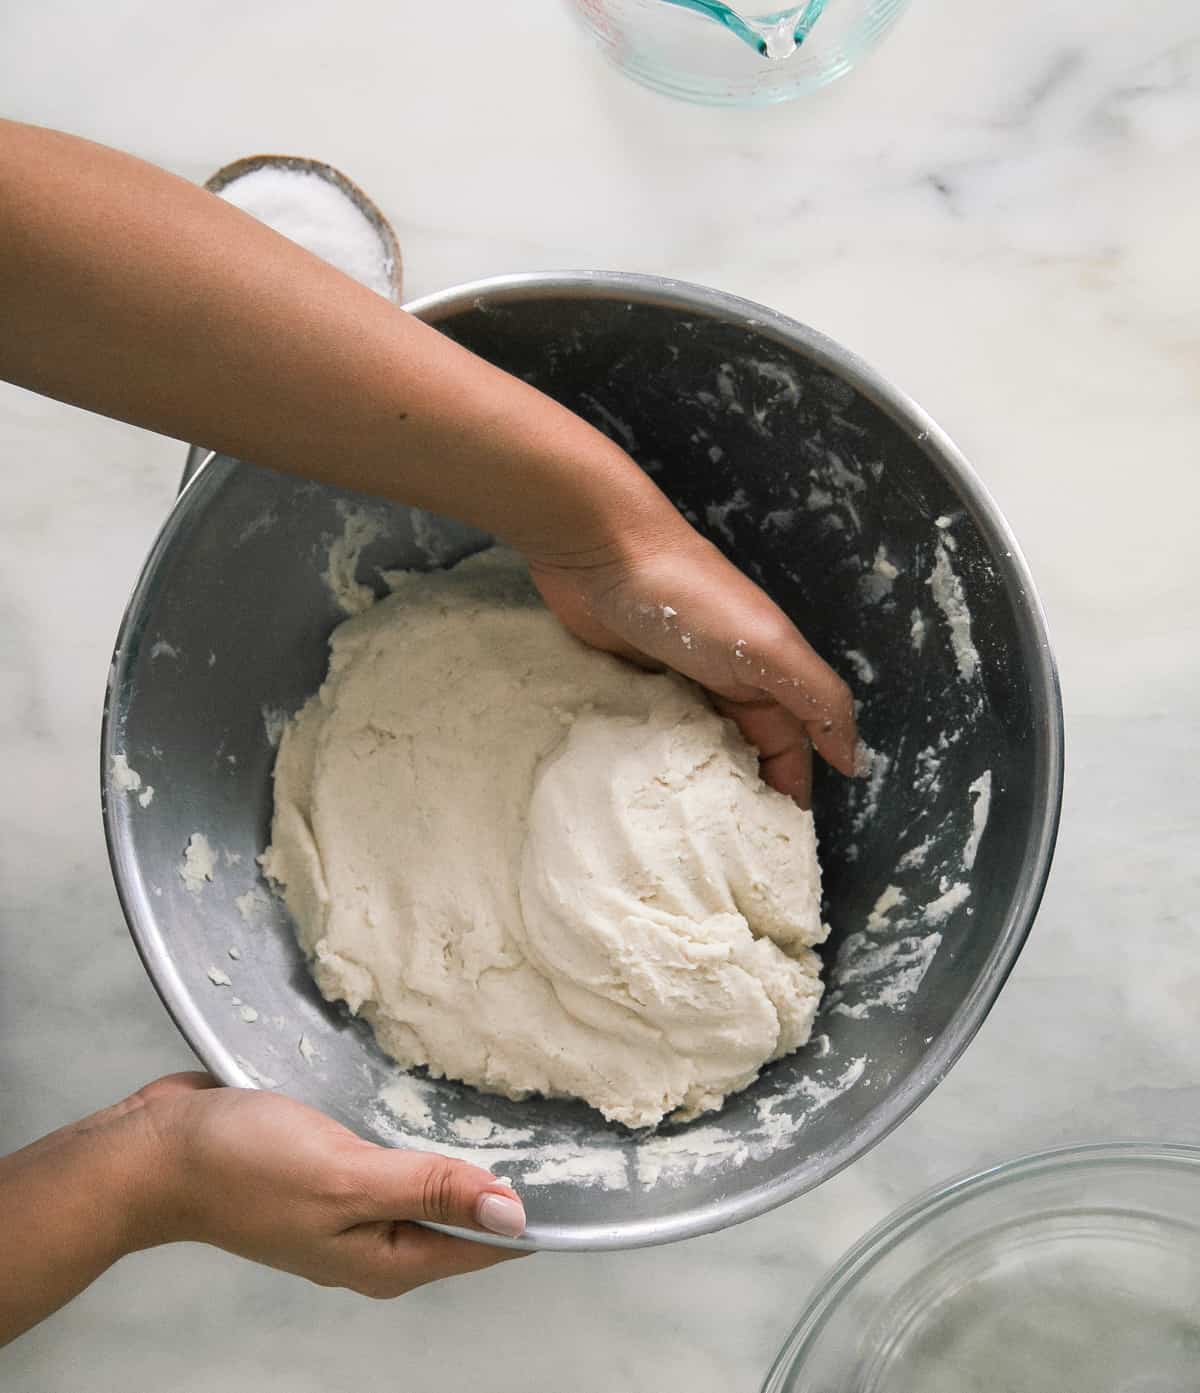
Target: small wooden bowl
[{"x": 298, "y": 164}]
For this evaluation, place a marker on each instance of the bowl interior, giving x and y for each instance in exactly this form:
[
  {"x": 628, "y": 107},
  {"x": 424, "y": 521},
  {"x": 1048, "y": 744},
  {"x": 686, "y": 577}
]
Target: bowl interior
[{"x": 851, "y": 512}]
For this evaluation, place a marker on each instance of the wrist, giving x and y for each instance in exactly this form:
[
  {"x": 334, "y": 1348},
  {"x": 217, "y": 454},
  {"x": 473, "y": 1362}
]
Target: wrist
[
  {"x": 599, "y": 509},
  {"x": 143, "y": 1172}
]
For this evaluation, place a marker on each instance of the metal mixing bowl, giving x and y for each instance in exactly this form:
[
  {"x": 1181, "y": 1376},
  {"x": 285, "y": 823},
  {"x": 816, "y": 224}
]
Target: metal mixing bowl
[{"x": 801, "y": 463}]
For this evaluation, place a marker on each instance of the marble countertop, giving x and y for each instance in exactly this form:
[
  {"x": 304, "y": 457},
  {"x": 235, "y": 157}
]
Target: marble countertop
[{"x": 1000, "y": 212}]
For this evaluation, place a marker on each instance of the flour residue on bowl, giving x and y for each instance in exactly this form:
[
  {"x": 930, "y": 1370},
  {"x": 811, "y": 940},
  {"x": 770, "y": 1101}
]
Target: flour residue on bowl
[
  {"x": 916, "y": 855},
  {"x": 876, "y": 584},
  {"x": 952, "y": 894},
  {"x": 927, "y": 774},
  {"x": 949, "y": 597},
  {"x": 405, "y": 1097},
  {"x": 766, "y": 394},
  {"x": 126, "y": 779},
  {"x": 717, "y": 515},
  {"x": 708, "y": 1145},
  {"x": 981, "y": 791},
  {"x": 435, "y": 543},
  {"x": 872, "y": 766},
  {"x": 123, "y": 777},
  {"x": 411, "y": 1111},
  {"x": 885, "y": 961},
  {"x": 610, "y": 423},
  {"x": 864, "y": 669},
  {"x": 360, "y": 528},
  {"x": 199, "y": 863},
  {"x": 834, "y": 489},
  {"x": 256, "y": 1075},
  {"x": 757, "y": 389},
  {"x": 883, "y": 964},
  {"x": 779, "y": 377},
  {"x": 274, "y": 719},
  {"x": 264, "y": 522},
  {"x": 430, "y": 540},
  {"x": 256, "y": 905}
]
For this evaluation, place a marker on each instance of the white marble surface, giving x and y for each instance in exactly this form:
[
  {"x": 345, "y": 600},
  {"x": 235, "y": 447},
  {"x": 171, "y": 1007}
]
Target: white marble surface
[{"x": 1001, "y": 212}]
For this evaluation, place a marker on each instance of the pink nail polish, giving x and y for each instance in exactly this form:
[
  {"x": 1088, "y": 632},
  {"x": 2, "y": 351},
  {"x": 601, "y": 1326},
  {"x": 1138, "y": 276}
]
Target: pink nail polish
[{"x": 501, "y": 1215}]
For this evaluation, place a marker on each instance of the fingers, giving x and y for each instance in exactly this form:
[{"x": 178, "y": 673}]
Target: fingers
[
  {"x": 388, "y": 1254},
  {"x": 438, "y": 1255},
  {"x": 728, "y": 634},
  {"x": 777, "y": 672},
  {"x": 793, "y": 699},
  {"x": 790, "y": 771},
  {"x": 418, "y": 1185},
  {"x": 688, "y": 607},
  {"x": 782, "y": 742},
  {"x": 769, "y": 655},
  {"x": 804, "y": 684},
  {"x": 387, "y": 1260},
  {"x": 193, "y": 1081}
]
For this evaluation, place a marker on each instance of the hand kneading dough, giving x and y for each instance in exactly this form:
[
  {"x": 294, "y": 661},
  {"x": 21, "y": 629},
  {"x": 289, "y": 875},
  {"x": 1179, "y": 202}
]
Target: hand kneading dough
[{"x": 535, "y": 869}]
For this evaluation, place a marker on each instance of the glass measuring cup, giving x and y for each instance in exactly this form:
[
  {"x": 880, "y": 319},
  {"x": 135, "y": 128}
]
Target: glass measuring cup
[{"x": 744, "y": 55}]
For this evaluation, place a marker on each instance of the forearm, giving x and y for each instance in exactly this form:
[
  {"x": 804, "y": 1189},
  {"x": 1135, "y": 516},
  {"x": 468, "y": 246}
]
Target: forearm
[
  {"x": 67, "y": 1213},
  {"x": 133, "y": 293}
]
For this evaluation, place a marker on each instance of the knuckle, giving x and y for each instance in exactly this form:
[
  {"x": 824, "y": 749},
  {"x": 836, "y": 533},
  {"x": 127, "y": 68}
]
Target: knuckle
[
  {"x": 344, "y": 1189},
  {"x": 842, "y": 697},
  {"x": 778, "y": 632},
  {"x": 437, "y": 1191}
]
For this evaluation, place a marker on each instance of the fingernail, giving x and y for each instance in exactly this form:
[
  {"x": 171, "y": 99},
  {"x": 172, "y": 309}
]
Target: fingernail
[{"x": 500, "y": 1215}]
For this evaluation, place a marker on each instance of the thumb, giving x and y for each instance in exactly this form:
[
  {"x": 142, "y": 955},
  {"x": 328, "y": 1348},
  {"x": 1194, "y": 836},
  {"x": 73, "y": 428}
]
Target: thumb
[{"x": 425, "y": 1187}]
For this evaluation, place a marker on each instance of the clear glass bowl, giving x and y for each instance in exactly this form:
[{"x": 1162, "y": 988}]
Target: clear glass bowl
[
  {"x": 1073, "y": 1270},
  {"x": 744, "y": 54}
]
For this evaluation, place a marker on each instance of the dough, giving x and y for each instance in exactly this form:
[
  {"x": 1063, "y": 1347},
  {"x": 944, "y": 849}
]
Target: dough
[{"x": 535, "y": 869}]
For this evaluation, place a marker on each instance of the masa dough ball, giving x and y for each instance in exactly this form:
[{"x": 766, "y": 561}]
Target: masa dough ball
[{"x": 536, "y": 869}]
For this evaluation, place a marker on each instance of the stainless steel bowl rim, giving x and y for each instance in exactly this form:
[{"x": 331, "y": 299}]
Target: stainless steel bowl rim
[
  {"x": 635, "y": 288},
  {"x": 899, "y": 1225}
]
